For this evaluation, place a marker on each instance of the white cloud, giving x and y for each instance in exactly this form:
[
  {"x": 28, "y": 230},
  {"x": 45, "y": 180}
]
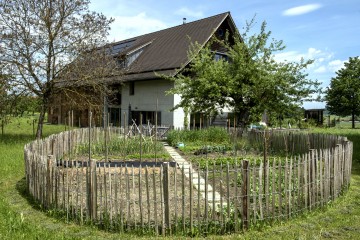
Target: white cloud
[
  {"x": 320, "y": 60},
  {"x": 321, "y": 69},
  {"x": 131, "y": 26},
  {"x": 317, "y": 55},
  {"x": 313, "y": 52},
  {"x": 288, "y": 56},
  {"x": 186, "y": 12},
  {"x": 336, "y": 65},
  {"x": 324, "y": 65},
  {"x": 301, "y": 9}
]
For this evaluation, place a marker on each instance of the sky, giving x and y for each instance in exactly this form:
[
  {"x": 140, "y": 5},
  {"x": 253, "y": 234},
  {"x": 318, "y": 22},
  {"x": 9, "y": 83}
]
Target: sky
[{"x": 327, "y": 31}]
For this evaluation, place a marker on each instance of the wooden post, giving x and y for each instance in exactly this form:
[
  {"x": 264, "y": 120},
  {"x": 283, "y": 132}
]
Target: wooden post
[
  {"x": 147, "y": 195},
  {"x": 183, "y": 197},
  {"x": 245, "y": 194},
  {"x": 141, "y": 136},
  {"x": 88, "y": 173},
  {"x": 49, "y": 186},
  {"x": 140, "y": 199},
  {"x": 124, "y": 125},
  {"x": 175, "y": 198},
  {"x": 105, "y": 129},
  {"x": 166, "y": 186},
  {"x": 156, "y": 128},
  {"x": 236, "y": 198},
  {"x": 265, "y": 158},
  {"x": 191, "y": 200},
  {"x": 155, "y": 203}
]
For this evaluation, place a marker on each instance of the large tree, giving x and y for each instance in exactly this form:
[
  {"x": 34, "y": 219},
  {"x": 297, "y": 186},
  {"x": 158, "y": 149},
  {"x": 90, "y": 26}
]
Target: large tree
[
  {"x": 4, "y": 92},
  {"x": 39, "y": 38},
  {"x": 343, "y": 96},
  {"x": 249, "y": 80}
]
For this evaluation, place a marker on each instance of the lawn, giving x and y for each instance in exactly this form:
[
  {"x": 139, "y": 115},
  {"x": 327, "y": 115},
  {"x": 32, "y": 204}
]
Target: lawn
[{"x": 21, "y": 218}]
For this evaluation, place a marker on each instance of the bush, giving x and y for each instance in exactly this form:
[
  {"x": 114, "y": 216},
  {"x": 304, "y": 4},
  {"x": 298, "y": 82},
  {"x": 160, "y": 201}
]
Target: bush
[{"x": 214, "y": 135}]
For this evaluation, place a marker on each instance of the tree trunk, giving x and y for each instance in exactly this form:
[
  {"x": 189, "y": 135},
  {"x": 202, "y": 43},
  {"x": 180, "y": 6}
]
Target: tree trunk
[
  {"x": 353, "y": 119},
  {"x": 41, "y": 121}
]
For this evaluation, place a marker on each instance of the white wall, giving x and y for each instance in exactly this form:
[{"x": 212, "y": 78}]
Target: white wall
[
  {"x": 179, "y": 114},
  {"x": 147, "y": 93}
]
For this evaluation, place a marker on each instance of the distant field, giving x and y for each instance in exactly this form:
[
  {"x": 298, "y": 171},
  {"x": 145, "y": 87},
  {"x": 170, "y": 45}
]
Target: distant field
[{"x": 20, "y": 218}]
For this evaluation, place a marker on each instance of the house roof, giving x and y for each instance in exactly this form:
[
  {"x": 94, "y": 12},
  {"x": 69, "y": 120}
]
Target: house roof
[{"x": 165, "y": 51}]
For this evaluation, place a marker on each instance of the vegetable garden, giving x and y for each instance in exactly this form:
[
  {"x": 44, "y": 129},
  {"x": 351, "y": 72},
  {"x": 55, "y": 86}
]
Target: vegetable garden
[{"x": 125, "y": 182}]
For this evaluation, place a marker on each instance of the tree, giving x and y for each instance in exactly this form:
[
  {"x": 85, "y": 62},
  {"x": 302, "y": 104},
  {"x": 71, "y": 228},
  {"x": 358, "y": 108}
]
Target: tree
[
  {"x": 4, "y": 92},
  {"x": 249, "y": 80},
  {"x": 40, "y": 38},
  {"x": 13, "y": 102},
  {"x": 343, "y": 96}
]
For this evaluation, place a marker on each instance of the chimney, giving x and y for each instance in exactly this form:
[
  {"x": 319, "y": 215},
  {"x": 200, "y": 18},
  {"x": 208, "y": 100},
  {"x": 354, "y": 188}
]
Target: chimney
[{"x": 184, "y": 20}]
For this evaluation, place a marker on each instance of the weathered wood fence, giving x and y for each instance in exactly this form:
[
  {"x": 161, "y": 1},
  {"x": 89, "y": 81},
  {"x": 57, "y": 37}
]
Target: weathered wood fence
[{"x": 162, "y": 199}]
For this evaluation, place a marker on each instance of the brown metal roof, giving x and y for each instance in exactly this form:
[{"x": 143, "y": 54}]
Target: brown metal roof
[{"x": 166, "y": 50}]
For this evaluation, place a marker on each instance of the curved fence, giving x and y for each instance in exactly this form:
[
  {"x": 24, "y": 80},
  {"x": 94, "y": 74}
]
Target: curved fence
[{"x": 167, "y": 198}]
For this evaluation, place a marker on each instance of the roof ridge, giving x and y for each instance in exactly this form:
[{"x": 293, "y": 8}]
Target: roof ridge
[{"x": 180, "y": 25}]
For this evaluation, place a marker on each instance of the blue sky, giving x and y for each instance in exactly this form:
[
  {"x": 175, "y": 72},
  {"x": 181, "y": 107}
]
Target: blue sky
[{"x": 327, "y": 31}]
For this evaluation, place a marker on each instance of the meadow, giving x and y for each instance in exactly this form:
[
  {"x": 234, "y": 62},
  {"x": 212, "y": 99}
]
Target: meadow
[{"x": 22, "y": 218}]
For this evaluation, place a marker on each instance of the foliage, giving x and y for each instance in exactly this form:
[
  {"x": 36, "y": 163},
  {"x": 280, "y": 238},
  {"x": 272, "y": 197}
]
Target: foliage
[
  {"x": 344, "y": 130},
  {"x": 214, "y": 135},
  {"x": 4, "y": 93},
  {"x": 40, "y": 38},
  {"x": 120, "y": 148},
  {"x": 249, "y": 80},
  {"x": 343, "y": 96}
]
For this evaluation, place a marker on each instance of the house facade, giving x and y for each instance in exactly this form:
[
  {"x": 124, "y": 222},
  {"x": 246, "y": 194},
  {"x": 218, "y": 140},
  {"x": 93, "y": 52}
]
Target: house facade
[{"x": 140, "y": 91}]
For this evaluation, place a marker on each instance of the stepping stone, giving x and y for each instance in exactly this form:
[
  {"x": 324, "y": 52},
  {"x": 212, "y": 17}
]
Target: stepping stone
[
  {"x": 202, "y": 188},
  {"x": 210, "y": 196},
  {"x": 196, "y": 181},
  {"x": 196, "y": 178}
]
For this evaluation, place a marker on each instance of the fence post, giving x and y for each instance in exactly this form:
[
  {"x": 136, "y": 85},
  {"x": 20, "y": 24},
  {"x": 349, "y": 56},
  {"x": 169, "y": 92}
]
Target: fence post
[
  {"x": 166, "y": 195},
  {"x": 245, "y": 194},
  {"x": 48, "y": 181},
  {"x": 93, "y": 190}
]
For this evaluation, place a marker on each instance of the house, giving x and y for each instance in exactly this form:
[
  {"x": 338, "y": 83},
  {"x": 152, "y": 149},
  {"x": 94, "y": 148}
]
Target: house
[
  {"x": 142, "y": 91},
  {"x": 316, "y": 115}
]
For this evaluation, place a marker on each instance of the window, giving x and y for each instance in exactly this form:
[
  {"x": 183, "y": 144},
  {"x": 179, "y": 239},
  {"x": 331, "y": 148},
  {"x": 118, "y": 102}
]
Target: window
[
  {"x": 148, "y": 117},
  {"x": 133, "y": 56},
  {"x": 127, "y": 59},
  {"x": 221, "y": 56},
  {"x": 114, "y": 116},
  {"x": 131, "y": 88}
]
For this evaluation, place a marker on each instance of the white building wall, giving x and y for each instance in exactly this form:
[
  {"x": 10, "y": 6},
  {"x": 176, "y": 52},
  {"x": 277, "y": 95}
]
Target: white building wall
[
  {"x": 148, "y": 94},
  {"x": 179, "y": 114}
]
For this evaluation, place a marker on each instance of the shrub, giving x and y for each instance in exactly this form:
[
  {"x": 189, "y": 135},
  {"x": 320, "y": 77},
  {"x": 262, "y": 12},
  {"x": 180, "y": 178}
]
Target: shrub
[{"x": 214, "y": 135}]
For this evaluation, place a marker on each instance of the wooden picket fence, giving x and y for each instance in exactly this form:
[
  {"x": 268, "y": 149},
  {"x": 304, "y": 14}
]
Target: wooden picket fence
[{"x": 162, "y": 199}]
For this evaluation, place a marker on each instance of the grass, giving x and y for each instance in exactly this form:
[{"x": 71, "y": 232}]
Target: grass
[
  {"x": 20, "y": 218},
  {"x": 124, "y": 149}
]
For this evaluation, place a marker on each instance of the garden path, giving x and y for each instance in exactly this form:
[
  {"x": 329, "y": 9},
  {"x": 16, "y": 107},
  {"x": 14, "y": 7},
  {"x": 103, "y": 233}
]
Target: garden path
[{"x": 182, "y": 163}]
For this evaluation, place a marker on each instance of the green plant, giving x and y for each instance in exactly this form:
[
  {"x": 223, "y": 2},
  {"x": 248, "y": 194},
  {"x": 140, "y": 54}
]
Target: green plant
[
  {"x": 213, "y": 135},
  {"x": 124, "y": 147}
]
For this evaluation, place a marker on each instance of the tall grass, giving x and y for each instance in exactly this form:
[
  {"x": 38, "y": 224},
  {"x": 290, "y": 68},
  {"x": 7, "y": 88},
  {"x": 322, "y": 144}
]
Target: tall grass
[
  {"x": 215, "y": 135},
  {"x": 119, "y": 146},
  {"x": 352, "y": 135}
]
